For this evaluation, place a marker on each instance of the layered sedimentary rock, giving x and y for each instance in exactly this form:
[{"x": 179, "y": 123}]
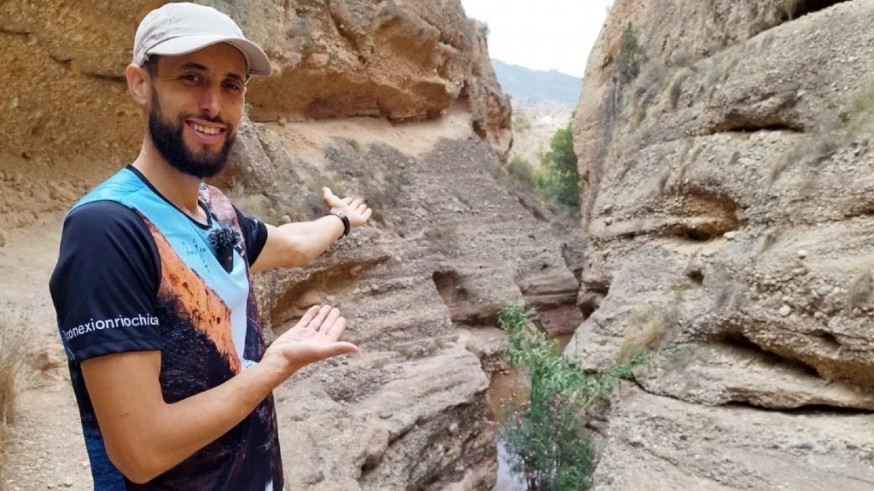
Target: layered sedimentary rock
[
  {"x": 388, "y": 100},
  {"x": 66, "y": 107},
  {"x": 726, "y": 154}
]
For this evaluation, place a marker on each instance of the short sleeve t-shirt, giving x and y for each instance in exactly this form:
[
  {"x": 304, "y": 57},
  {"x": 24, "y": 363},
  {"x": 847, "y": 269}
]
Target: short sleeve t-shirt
[{"x": 135, "y": 273}]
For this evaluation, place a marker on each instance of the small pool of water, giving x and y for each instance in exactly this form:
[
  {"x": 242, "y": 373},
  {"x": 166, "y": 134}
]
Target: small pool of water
[
  {"x": 506, "y": 391},
  {"x": 507, "y": 479}
]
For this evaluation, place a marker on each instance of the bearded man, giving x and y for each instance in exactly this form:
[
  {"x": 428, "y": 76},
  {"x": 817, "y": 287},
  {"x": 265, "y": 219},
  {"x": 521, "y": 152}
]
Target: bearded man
[{"x": 153, "y": 290}]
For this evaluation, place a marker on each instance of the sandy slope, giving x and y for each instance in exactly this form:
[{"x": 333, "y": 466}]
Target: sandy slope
[{"x": 46, "y": 448}]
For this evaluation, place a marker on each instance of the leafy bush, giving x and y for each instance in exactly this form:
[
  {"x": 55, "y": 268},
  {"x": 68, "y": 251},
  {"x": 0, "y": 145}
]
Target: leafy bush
[
  {"x": 522, "y": 170},
  {"x": 556, "y": 180},
  {"x": 547, "y": 439},
  {"x": 559, "y": 175}
]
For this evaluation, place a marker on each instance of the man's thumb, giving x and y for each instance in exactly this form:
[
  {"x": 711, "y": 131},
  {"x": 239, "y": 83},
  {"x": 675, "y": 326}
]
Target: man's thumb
[
  {"x": 328, "y": 197},
  {"x": 342, "y": 348}
]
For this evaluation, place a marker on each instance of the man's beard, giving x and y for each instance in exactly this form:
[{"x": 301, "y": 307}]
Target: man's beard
[{"x": 167, "y": 138}]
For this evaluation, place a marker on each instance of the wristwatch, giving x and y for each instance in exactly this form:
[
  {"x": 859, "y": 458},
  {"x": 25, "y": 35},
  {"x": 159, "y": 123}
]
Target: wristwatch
[{"x": 342, "y": 216}]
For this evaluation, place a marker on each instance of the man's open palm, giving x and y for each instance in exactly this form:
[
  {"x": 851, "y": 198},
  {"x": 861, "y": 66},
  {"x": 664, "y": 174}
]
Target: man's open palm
[{"x": 313, "y": 338}]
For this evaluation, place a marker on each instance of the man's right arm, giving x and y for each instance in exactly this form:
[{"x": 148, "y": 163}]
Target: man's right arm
[{"x": 145, "y": 436}]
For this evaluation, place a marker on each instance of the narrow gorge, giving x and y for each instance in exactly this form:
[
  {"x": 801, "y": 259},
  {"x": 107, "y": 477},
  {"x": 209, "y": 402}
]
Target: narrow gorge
[{"x": 727, "y": 217}]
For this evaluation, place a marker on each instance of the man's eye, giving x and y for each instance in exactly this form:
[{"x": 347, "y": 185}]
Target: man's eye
[
  {"x": 191, "y": 77},
  {"x": 233, "y": 87}
]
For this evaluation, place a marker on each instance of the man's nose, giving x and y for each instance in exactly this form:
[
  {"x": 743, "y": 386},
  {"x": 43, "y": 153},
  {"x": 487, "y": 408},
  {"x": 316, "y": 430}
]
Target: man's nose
[{"x": 210, "y": 100}]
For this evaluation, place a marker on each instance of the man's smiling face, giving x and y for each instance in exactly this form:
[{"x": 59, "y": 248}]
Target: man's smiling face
[{"x": 196, "y": 105}]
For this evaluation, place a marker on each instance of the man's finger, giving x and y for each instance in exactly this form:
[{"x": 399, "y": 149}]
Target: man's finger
[
  {"x": 346, "y": 200},
  {"x": 308, "y": 316},
  {"x": 335, "y": 330},
  {"x": 332, "y": 317},
  {"x": 340, "y": 348},
  {"x": 319, "y": 318}
]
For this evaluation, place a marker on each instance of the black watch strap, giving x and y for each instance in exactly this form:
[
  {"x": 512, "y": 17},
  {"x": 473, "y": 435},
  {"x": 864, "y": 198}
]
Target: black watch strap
[{"x": 342, "y": 216}]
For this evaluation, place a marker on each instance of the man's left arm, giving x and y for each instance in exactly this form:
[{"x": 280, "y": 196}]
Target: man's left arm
[{"x": 295, "y": 244}]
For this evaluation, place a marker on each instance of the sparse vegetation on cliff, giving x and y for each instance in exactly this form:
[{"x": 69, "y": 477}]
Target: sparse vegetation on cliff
[
  {"x": 647, "y": 329},
  {"x": 547, "y": 439},
  {"x": 521, "y": 122},
  {"x": 631, "y": 56},
  {"x": 831, "y": 132},
  {"x": 523, "y": 171}
]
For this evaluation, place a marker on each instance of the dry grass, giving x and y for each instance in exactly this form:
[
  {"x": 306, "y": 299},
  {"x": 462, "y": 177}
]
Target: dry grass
[
  {"x": 679, "y": 289},
  {"x": 327, "y": 179},
  {"x": 443, "y": 236},
  {"x": 676, "y": 88},
  {"x": 858, "y": 118},
  {"x": 721, "y": 68},
  {"x": 832, "y": 131},
  {"x": 644, "y": 92},
  {"x": 769, "y": 238},
  {"x": 735, "y": 157},
  {"x": 10, "y": 363},
  {"x": 730, "y": 296},
  {"x": 859, "y": 293},
  {"x": 661, "y": 182},
  {"x": 647, "y": 330},
  {"x": 810, "y": 155},
  {"x": 381, "y": 184}
]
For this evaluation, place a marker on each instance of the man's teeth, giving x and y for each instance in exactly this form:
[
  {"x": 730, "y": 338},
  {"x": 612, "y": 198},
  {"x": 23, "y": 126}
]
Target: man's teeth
[{"x": 206, "y": 129}]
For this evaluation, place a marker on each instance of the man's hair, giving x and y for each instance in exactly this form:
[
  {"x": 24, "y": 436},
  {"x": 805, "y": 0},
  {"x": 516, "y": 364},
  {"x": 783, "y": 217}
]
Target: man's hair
[{"x": 151, "y": 65}]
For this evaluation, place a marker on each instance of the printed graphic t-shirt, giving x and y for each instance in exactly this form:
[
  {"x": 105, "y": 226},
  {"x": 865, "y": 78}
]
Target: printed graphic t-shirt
[{"x": 135, "y": 273}]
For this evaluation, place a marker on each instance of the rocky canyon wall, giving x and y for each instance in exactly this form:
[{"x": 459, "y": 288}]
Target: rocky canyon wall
[
  {"x": 725, "y": 148},
  {"x": 67, "y": 111},
  {"x": 393, "y": 100}
]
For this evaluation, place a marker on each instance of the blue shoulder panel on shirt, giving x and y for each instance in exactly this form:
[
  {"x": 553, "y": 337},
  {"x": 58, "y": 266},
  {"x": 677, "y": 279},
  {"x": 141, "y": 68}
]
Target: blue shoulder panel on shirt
[{"x": 188, "y": 240}]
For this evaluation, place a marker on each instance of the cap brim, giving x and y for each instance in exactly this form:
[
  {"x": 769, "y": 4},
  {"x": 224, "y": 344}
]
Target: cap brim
[{"x": 258, "y": 62}]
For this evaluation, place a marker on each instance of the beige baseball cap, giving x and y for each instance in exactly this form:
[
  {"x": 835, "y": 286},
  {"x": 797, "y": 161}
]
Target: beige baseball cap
[{"x": 182, "y": 28}]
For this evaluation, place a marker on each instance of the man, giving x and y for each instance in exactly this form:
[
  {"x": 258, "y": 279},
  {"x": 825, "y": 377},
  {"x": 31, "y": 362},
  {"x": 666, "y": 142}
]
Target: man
[{"x": 152, "y": 287}]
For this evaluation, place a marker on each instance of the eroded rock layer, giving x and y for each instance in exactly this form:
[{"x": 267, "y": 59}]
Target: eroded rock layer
[
  {"x": 727, "y": 204},
  {"x": 66, "y": 107}
]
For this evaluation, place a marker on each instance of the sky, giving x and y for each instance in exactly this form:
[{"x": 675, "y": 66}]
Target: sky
[{"x": 541, "y": 34}]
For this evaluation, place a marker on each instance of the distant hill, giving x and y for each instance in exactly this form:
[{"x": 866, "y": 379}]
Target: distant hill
[{"x": 528, "y": 85}]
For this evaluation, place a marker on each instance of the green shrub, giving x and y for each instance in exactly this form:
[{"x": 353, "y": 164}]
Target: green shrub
[
  {"x": 559, "y": 175},
  {"x": 631, "y": 56},
  {"x": 522, "y": 170},
  {"x": 557, "y": 179},
  {"x": 547, "y": 439}
]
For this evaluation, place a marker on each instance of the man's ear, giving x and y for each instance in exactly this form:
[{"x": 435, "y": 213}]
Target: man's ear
[{"x": 138, "y": 83}]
